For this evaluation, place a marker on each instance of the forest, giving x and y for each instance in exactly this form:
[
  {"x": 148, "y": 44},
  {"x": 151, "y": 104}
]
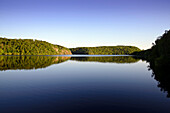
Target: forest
[
  {"x": 159, "y": 53},
  {"x": 105, "y": 50},
  {"x": 30, "y": 47},
  {"x": 158, "y": 57},
  {"x": 38, "y": 47}
]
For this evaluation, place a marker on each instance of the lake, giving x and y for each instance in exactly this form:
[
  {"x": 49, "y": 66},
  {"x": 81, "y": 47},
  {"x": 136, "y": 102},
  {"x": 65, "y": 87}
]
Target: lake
[{"x": 81, "y": 84}]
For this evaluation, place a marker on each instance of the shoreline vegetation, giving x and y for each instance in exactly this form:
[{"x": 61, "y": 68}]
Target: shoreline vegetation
[
  {"x": 158, "y": 56},
  {"x": 105, "y": 50},
  {"x": 159, "y": 61},
  {"x": 159, "y": 53},
  {"x": 38, "y": 47},
  {"x": 30, "y": 47}
]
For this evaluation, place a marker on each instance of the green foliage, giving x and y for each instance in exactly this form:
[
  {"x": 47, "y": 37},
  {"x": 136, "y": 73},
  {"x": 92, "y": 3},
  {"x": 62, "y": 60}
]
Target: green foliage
[
  {"x": 30, "y": 47},
  {"x": 115, "y": 59},
  {"x": 159, "y": 52},
  {"x": 105, "y": 50},
  {"x": 28, "y": 62},
  {"x": 159, "y": 59}
]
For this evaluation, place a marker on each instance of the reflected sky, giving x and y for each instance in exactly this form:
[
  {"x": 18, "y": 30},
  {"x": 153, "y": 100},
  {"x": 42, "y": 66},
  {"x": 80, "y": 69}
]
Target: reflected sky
[{"x": 87, "y": 87}]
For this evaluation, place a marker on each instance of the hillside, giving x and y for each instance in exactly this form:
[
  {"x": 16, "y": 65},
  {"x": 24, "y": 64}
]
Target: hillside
[
  {"x": 105, "y": 50},
  {"x": 30, "y": 47}
]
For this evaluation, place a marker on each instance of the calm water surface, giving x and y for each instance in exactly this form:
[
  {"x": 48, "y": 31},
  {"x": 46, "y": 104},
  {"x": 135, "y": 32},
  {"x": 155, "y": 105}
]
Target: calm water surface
[{"x": 69, "y": 84}]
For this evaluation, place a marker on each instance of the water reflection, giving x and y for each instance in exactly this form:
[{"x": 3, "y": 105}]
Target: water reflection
[
  {"x": 36, "y": 62},
  {"x": 161, "y": 74},
  {"x": 115, "y": 59},
  {"x": 78, "y": 87},
  {"x": 29, "y": 62}
]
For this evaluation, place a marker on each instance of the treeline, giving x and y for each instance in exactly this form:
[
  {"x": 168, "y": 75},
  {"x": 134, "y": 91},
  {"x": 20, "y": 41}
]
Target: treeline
[
  {"x": 105, "y": 50},
  {"x": 158, "y": 57},
  {"x": 159, "y": 53},
  {"x": 115, "y": 59},
  {"x": 28, "y": 62},
  {"x": 30, "y": 47}
]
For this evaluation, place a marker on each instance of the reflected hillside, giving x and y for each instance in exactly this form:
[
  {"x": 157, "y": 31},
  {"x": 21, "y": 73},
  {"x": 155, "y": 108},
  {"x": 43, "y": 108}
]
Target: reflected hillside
[
  {"x": 161, "y": 74},
  {"x": 28, "y": 62},
  {"x": 113, "y": 59}
]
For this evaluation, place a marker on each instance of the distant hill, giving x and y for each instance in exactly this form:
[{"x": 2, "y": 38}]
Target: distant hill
[
  {"x": 30, "y": 47},
  {"x": 105, "y": 50}
]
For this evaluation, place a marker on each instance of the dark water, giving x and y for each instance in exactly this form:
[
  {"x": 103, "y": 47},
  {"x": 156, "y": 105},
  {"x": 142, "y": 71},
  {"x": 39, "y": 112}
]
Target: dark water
[{"x": 95, "y": 84}]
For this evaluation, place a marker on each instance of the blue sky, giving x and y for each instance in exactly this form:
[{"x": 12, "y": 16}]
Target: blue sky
[{"x": 75, "y": 23}]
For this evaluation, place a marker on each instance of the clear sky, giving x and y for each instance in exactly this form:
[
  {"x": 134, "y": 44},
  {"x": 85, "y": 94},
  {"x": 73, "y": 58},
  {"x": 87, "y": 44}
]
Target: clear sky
[{"x": 75, "y": 23}]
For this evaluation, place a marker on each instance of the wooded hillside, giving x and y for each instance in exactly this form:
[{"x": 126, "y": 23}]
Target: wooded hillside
[
  {"x": 30, "y": 47},
  {"x": 105, "y": 50}
]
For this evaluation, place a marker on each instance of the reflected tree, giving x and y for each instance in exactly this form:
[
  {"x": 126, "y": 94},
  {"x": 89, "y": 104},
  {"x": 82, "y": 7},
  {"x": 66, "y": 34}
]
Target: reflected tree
[
  {"x": 159, "y": 58},
  {"x": 29, "y": 62},
  {"x": 161, "y": 74},
  {"x": 113, "y": 59}
]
